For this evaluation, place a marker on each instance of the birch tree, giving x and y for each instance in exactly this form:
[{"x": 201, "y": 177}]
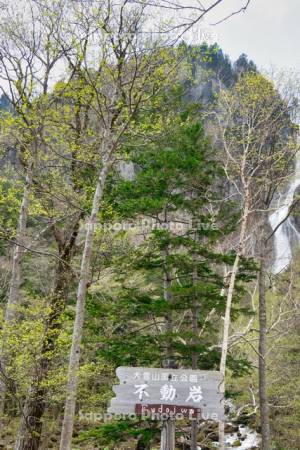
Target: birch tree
[
  {"x": 130, "y": 67},
  {"x": 34, "y": 40},
  {"x": 63, "y": 200},
  {"x": 123, "y": 62},
  {"x": 28, "y": 57},
  {"x": 258, "y": 137}
]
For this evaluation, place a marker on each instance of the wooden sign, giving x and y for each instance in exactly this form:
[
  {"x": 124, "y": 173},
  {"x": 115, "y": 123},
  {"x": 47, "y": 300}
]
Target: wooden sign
[
  {"x": 154, "y": 411},
  {"x": 191, "y": 389},
  {"x": 134, "y": 374}
]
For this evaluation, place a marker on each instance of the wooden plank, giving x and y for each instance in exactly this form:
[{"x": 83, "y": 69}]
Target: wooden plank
[
  {"x": 207, "y": 412},
  {"x": 216, "y": 408},
  {"x": 176, "y": 387},
  {"x": 205, "y": 384},
  {"x": 156, "y": 410},
  {"x": 167, "y": 394},
  {"x": 182, "y": 376},
  {"x": 165, "y": 389}
]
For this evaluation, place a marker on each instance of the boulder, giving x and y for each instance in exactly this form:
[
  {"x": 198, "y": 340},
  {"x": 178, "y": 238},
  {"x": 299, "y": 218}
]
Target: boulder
[{"x": 230, "y": 428}]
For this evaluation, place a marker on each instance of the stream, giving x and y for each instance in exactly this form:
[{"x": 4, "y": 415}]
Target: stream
[{"x": 248, "y": 439}]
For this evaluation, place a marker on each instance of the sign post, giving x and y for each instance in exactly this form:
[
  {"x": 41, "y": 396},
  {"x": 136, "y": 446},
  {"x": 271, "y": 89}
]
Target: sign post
[
  {"x": 168, "y": 435},
  {"x": 168, "y": 395},
  {"x": 168, "y": 432}
]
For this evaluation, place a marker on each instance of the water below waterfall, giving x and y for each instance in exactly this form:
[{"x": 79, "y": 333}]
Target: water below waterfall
[
  {"x": 286, "y": 234},
  {"x": 245, "y": 439}
]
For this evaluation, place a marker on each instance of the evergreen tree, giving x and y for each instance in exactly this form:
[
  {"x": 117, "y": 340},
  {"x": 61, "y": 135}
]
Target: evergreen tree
[{"x": 167, "y": 301}]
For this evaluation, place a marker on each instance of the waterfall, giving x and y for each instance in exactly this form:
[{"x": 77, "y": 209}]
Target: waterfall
[
  {"x": 287, "y": 233},
  {"x": 244, "y": 439}
]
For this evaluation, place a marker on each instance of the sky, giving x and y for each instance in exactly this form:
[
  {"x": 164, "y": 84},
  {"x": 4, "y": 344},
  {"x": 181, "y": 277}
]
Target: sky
[{"x": 268, "y": 32}]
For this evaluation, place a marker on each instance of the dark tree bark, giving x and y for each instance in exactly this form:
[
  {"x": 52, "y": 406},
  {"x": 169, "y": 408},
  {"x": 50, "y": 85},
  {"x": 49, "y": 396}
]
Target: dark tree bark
[
  {"x": 168, "y": 426},
  {"x": 264, "y": 407},
  {"x": 195, "y": 328},
  {"x": 30, "y": 428}
]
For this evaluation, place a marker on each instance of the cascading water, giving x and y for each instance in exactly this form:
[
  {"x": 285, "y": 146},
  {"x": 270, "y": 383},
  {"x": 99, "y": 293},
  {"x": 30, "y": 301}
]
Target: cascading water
[{"x": 287, "y": 233}]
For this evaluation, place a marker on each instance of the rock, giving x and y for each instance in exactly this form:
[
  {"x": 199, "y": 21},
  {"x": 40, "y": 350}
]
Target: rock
[
  {"x": 236, "y": 443},
  {"x": 201, "y": 436},
  {"x": 245, "y": 419},
  {"x": 208, "y": 430},
  {"x": 231, "y": 428},
  {"x": 214, "y": 437}
]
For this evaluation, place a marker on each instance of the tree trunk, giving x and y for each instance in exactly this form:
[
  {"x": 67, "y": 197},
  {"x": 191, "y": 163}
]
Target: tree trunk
[
  {"x": 169, "y": 362},
  {"x": 195, "y": 328},
  {"x": 16, "y": 275},
  {"x": 227, "y": 318},
  {"x": 225, "y": 343},
  {"x": 69, "y": 412},
  {"x": 168, "y": 426},
  {"x": 264, "y": 407},
  {"x": 31, "y": 420}
]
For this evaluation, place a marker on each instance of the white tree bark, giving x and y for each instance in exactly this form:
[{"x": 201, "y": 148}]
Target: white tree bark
[
  {"x": 227, "y": 318},
  {"x": 16, "y": 276},
  {"x": 262, "y": 370},
  {"x": 15, "y": 282},
  {"x": 69, "y": 412}
]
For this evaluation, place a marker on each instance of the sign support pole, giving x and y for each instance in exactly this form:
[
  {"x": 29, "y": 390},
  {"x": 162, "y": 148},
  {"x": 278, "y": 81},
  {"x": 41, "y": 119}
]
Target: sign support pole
[
  {"x": 168, "y": 435},
  {"x": 167, "y": 441},
  {"x": 195, "y": 328},
  {"x": 194, "y": 434},
  {"x": 168, "y": 426}
]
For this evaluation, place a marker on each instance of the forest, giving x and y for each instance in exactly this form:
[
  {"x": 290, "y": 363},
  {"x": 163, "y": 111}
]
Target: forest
[{"x": 149, "y": 190}]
